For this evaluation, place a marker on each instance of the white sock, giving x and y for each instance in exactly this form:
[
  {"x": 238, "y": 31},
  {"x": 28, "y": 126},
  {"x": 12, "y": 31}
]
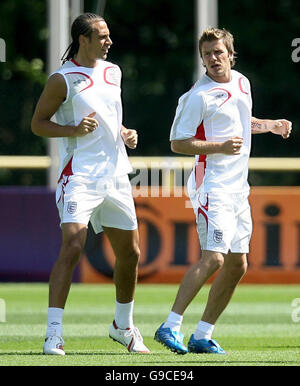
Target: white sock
[
  {"x": 204, "y": 330},
  {"x": 124, "y": 314},
  {"x": 55, "y": 316},
  {"x": 174, "y": 321}
]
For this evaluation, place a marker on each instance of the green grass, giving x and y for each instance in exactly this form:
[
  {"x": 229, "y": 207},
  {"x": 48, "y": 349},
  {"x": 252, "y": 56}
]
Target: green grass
[{"x": 256, "y": 329}]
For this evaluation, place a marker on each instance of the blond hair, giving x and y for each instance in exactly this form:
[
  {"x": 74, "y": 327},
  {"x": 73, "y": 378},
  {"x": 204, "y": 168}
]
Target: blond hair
[{"x": 212, "y": 34}]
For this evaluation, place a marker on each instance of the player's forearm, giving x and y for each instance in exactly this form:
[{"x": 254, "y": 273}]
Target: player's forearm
[
  {"x": 259, "y": 126},
  {"x": 193, "y": 146},
  {"x": 281, "y": 127},
  {"x": 46, "y": 128}
]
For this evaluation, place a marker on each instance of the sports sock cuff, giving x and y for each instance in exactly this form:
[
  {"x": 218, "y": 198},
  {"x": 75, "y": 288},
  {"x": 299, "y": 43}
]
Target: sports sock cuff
[
  {"x": 124, "y": 314},
  {"x": 204, "y": 330},
  {"x": 174, "y": 321},
  {"x": 54, "y": 313}
]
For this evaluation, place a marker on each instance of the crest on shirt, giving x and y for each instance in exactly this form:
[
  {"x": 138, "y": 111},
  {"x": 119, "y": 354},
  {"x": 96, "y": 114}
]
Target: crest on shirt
[
  {"x": 71, "y": 207},
  {"x": 80, "y": 81},
  {"x": 219, "y": 95},
  {"x": 218, "y": 235}
]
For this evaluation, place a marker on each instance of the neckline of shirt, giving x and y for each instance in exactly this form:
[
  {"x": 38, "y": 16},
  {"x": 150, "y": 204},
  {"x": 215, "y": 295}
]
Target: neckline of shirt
[
  {"x": 80, "y": 65},
  {"x": 219, "y": 83}
]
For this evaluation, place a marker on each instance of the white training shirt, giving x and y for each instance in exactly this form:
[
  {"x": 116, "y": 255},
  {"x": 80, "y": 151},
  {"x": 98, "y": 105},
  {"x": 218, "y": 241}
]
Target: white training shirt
[
  {"x": 216, "y": 112},
  {"x": 102, "y": 152}
]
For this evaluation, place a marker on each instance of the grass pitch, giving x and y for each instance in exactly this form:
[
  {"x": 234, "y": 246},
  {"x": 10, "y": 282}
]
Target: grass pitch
[{"x": 256, "y": 329}]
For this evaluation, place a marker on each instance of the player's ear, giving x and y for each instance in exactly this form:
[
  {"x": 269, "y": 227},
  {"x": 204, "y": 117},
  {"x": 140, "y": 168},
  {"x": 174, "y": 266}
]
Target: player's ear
[
  {"x": 202, "y": 61},
  {"x": 82, "y": 40}
]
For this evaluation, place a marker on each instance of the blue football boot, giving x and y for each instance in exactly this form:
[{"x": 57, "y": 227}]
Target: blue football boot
[
  {"x": 173, "y": 340},
  {"x": 207, "y": 346}
]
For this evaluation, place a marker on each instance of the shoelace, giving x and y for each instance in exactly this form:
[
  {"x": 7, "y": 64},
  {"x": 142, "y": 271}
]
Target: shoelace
[
  {"x": 179, "y": 336},
  {"x": 138, "y": 334},
  {"x": 135, "y": 333}
]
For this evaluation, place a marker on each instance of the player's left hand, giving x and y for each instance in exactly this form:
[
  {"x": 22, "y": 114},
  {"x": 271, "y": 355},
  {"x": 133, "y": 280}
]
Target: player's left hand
[
  {"x": 130, "y": 137},
  {"x": 281, "y": 127}
]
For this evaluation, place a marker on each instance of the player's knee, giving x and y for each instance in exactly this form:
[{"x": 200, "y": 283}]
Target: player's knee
[
  {"x": 242, "y": 267},
  {"x": 133, "y": 255},
  {"x": 71, "y": 252},
  {"x": 220, "y": 260},
  {"x": 136, "y": 254},
  {"x": 217, "y": 260},
  {"x": 212, "y": 260},
  {"x": 239, "y": 268}
]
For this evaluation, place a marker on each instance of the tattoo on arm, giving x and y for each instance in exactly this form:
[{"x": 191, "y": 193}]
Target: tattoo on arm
[
  {"x": 256, "y": 126},
  {"x": 259, "y": 127}
]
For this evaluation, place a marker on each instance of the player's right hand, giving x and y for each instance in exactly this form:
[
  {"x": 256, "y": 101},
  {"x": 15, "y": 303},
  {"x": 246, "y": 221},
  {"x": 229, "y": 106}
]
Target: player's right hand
[
  {"x": 232, "y": 146},
  {"x": 87, "y": 125}
]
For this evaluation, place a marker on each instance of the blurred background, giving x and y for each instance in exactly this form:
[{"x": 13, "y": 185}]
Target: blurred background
[{"x": 154, "y": 43}]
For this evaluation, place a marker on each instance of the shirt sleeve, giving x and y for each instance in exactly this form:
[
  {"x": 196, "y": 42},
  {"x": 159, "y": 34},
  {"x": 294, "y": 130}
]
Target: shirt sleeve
[{"x": 189, "y": 115}]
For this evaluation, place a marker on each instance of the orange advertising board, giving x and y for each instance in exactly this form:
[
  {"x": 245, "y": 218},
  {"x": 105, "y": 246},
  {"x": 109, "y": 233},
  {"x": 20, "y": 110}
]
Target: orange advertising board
[{"x": 169, "y": 241}]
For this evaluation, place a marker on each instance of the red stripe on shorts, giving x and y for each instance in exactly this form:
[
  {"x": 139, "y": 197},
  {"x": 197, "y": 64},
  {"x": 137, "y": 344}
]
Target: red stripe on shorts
[
  {"x": 200, "y": 211},
  {"x": 67, "y": 171}
]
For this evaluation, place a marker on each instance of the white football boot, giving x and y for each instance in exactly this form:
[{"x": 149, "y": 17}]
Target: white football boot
[
  {"x": 129, "y": 337},
  {"x": 54, "y": 345}
]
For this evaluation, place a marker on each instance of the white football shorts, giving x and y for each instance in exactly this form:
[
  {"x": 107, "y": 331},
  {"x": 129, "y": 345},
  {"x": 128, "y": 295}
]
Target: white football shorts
[
  {"x": 104, "y": 202},
  {"x": 223, "y": 221}
]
